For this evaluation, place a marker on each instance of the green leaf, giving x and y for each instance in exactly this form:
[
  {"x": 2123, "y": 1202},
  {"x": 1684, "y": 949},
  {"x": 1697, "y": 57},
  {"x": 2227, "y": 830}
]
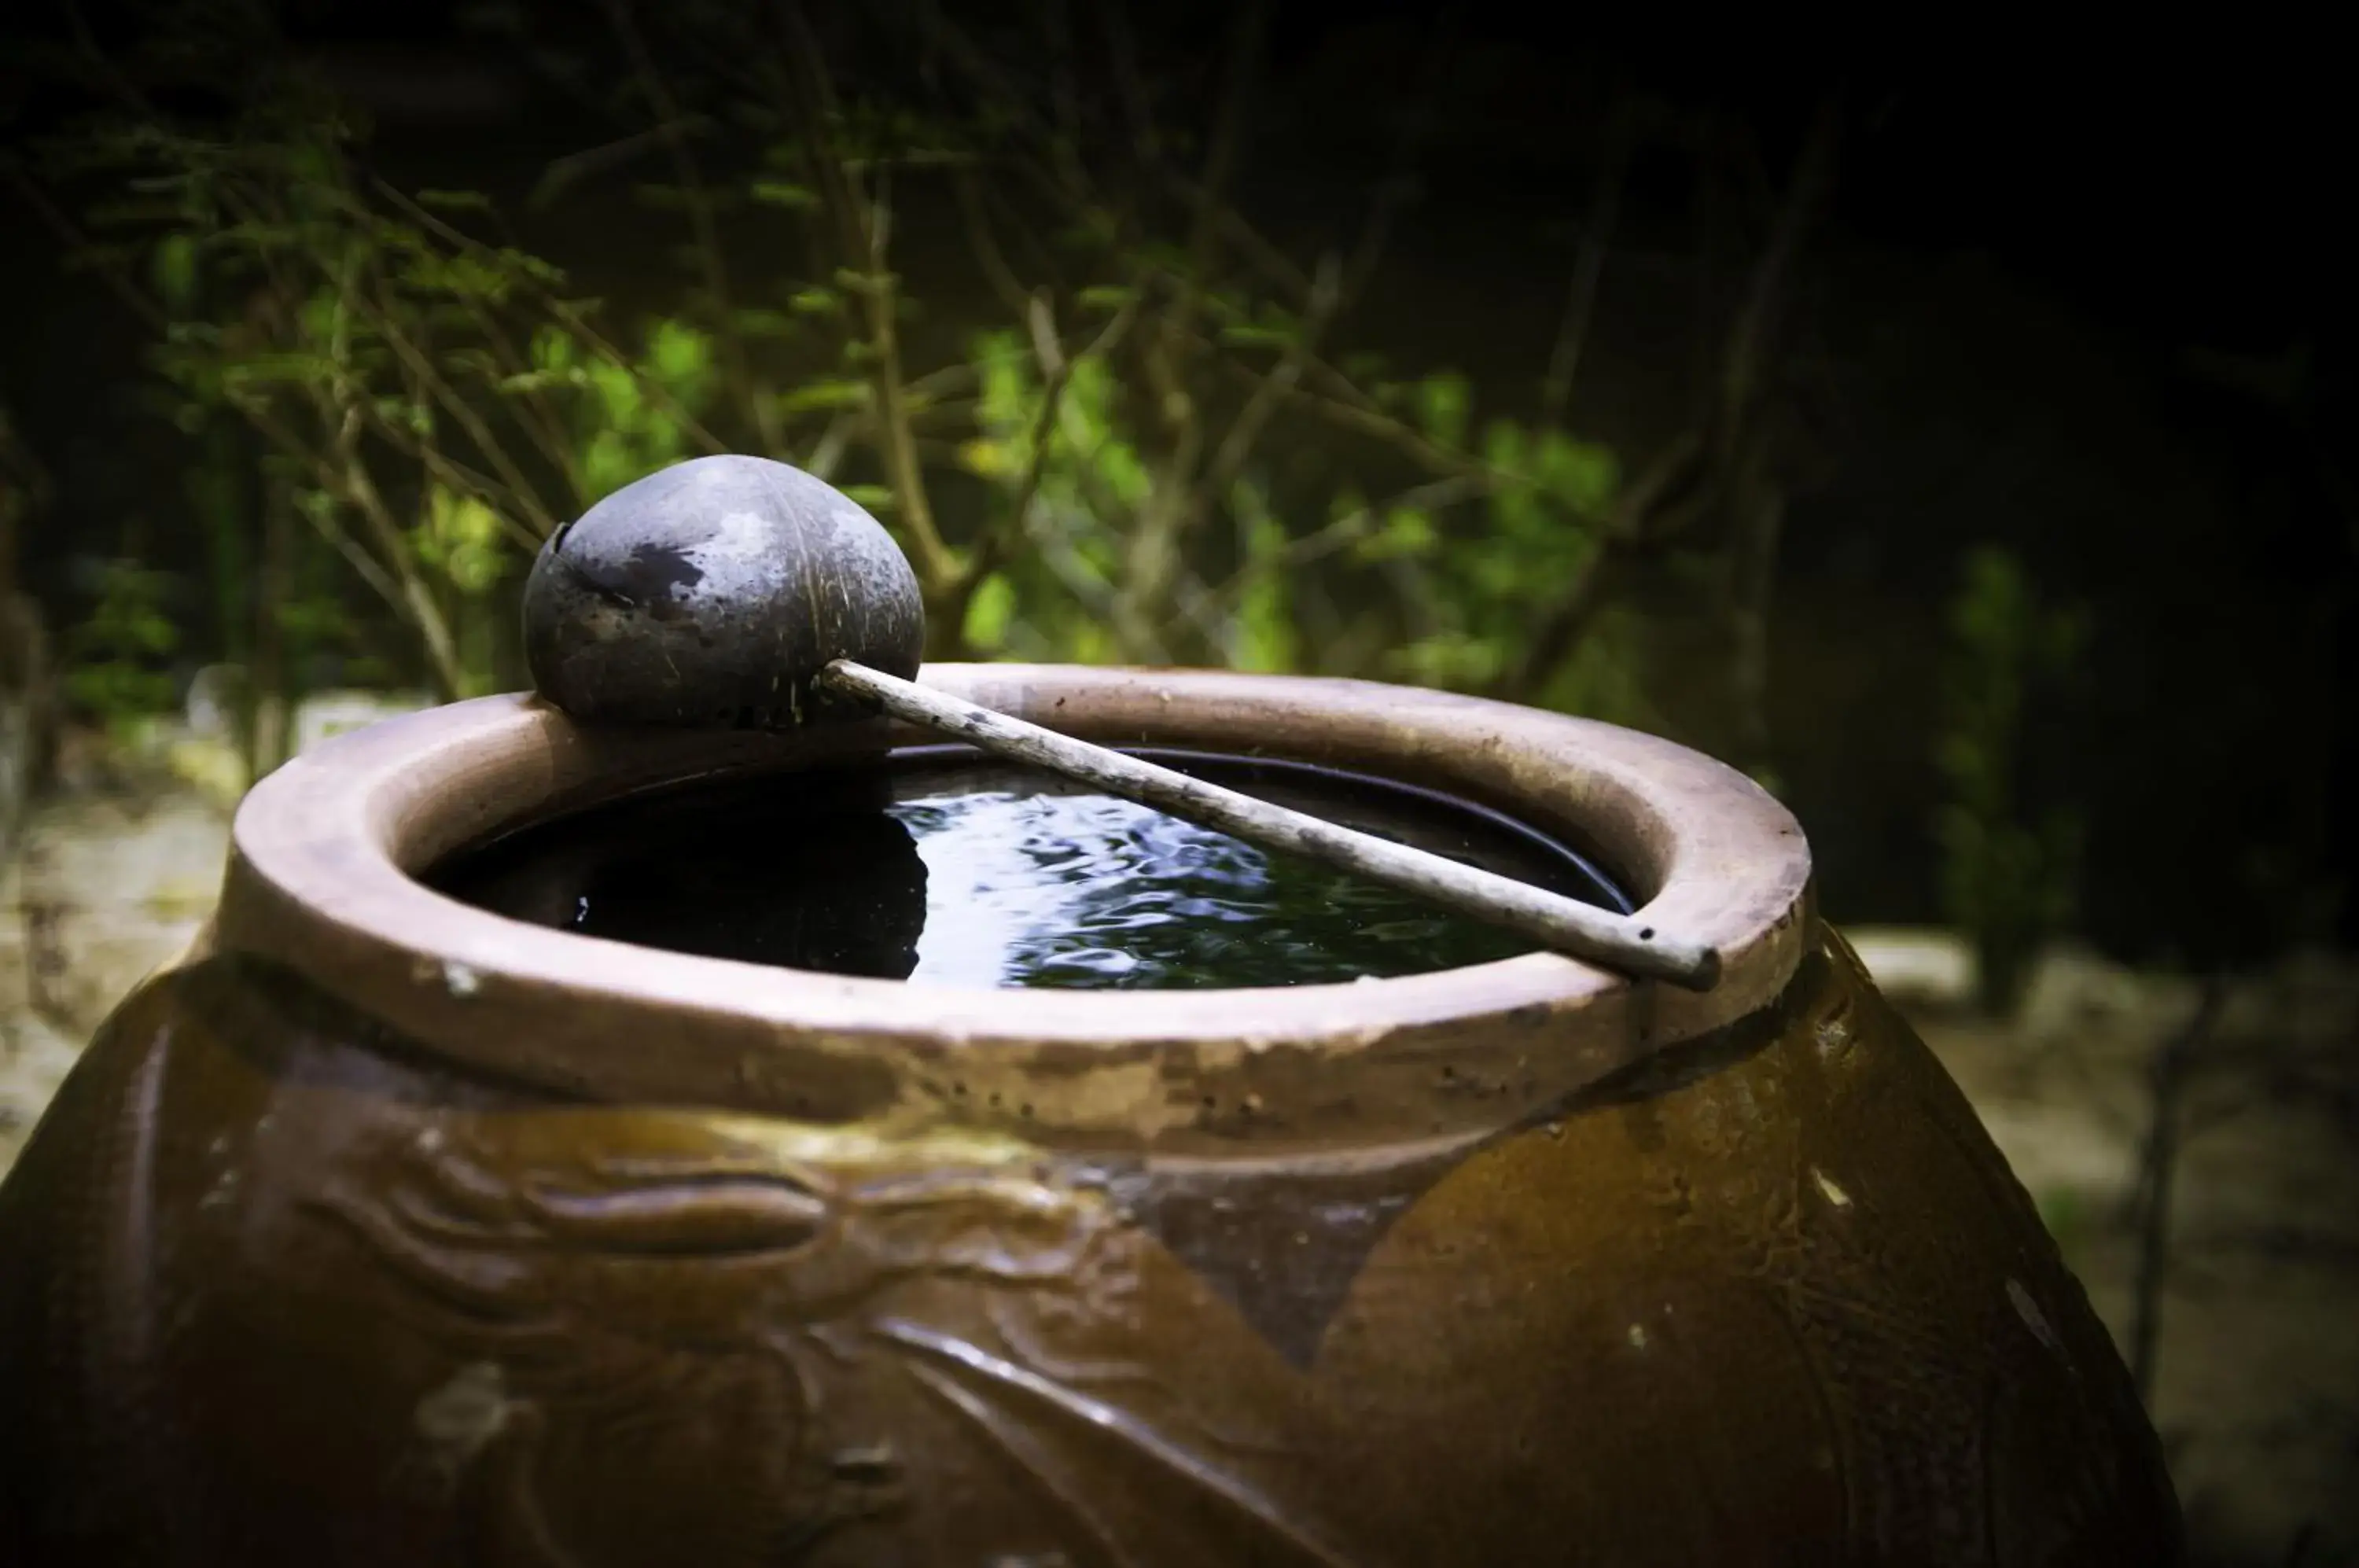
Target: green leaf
[
  {"x": 784, "y": 193},
  {"x": 1579, "y": 474},
  {"x": 1449, "y": 659},
  {"x": 461, "y": 276},
  {"x": 554, "y": 351},
  {"x": 751, "y": 322},
  {"x": 175, "y": 271},
  {"x": 541, "y": 271},
  {"x": 875, "y": 497},
  {"x": 461, "y": 539},
  {"x": 1407, "y": 533},
  {"x": 678, "y": 355},
  {"x": 1443, "y": 403},
  {"x": 263, "y": 369},
  {"x": 989, "y": 611},
  {"x": 991, "y": 460},
  {"x": 607, "y": 464},
  {"x": 1504, "y": 446},
  {"x": 455, "y": 201},
  {"x": 405, "y": 413},
  {"x": 1244, "y": 335},
  {"x": 1165, "y": 257},
  {"x": 828, "y": 394},
  {"x": 618, "y": 396}
]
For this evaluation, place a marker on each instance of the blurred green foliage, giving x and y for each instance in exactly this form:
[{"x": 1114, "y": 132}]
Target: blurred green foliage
[
  {"x": 623, "y": 420},
  {"x": 116, "y": 657},
  {"x": 2010, "y": 863},
  {"x": 1116, "y": 474}
]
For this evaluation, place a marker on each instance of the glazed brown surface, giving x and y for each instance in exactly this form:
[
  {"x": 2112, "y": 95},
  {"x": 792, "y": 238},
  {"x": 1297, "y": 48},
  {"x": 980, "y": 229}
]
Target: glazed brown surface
[
  {"x": 384, "y": 1231},
  {"x": 287, "y": 1290}
]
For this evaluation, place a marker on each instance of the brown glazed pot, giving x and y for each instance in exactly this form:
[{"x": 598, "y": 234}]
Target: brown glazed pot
[{"x": 385, "y": 1231}]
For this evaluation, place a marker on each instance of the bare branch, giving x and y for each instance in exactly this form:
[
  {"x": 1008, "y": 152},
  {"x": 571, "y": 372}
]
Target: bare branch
[
  {"x": 563, "y": 313},
  {"x": 2157, "y": 1164},
  {"x": 1174, "y": 503},
  {"x": 456, "y": 475},
  {"x": 1720, "y": 456},
  {"x": 864, "y": 230},
  {"x": 758, "y": 410},
  {"x": 1057, "y": 370},
  {"x": 1229, "y": 461},
  {"x": 1589, "y": 266},
  {"x": 421, "y": 368},
  {"x": 341, "y": 412},
  {"x": 1753, "y": 339},
  {"x": 563, "y": 172},
  {"x": 1130, "y": 83},
  {"x": 69, "y": 234},
  {"x": 1643, "y": 516},
  {"x": 1339, "y": 534},
  {"x": 1370, "y": 420},
  {"x": 985, "y": 244}
]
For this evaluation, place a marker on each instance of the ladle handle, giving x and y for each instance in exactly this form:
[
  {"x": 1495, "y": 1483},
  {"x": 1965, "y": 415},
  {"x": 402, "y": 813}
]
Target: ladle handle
[{"x": 1614, "y": 941}]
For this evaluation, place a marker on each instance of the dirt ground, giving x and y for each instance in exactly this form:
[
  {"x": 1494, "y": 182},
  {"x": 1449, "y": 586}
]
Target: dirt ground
[
  {"x": 2256, "y": 1385},
  {"x": 2258, "y": 1389}
]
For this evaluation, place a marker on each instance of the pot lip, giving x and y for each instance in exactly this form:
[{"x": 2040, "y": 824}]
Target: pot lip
[{"x": 323, "y": 852}]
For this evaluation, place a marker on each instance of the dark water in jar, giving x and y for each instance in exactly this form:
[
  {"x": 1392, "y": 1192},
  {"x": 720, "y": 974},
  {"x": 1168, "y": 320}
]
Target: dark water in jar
[{"x": 946, "y": 868}]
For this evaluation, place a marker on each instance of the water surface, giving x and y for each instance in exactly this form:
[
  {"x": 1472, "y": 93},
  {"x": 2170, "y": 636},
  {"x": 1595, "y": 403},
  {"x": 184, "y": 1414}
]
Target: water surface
[{"x": 945, "y": 869}]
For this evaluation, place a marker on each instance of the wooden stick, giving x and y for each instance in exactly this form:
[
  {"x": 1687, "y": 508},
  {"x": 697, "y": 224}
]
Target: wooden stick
[{"x": 1564, "y": 925}]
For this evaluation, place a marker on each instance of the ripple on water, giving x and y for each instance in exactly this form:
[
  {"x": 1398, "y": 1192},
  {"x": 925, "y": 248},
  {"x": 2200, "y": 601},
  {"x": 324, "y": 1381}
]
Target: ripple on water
[{"x": 978, "y": 875}]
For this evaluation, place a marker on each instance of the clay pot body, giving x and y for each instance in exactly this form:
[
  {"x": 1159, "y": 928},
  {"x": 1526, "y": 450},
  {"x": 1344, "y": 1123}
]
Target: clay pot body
[{"x": 383, "y": 1231}]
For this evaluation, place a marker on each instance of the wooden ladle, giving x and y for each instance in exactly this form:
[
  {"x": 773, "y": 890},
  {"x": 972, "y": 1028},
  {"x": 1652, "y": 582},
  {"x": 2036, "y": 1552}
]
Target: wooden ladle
[{"x": 737, "y": 591}]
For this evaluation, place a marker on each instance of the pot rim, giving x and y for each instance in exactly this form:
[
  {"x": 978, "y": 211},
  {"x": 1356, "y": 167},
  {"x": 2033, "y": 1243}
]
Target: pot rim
[{"x": 323, "y": 853}]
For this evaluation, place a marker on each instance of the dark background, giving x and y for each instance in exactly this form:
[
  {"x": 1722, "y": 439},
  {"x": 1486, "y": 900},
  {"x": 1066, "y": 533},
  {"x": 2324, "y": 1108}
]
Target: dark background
[
  {"x": 2081, "y": 299},
  {"x": 2085, "y": 298}
]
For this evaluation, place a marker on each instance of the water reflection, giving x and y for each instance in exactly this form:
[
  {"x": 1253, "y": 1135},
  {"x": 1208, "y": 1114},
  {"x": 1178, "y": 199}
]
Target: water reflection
[{"x": 972, "y": 874}]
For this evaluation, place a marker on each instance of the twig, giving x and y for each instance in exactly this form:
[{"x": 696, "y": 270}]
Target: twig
[
  {"x": 542, "y": 424},
  {"x": 758, "y": 408},
  {"x": 862, "y": 228},
  {"x": 1130, "y": 83},
  {"x": 1324, "y": 541},
  {"x": 564, "y": 314},
  {"x": 993, "y": 547},
  {"x": 1229, "y": 460},
  {"x": 343, "y": 480},
  {"x": 986, "y": 246},
  {"x": 1695, "y": 472},
  {"x": 1152, "y": 560},
  {"x": 69, "y": 233},
  {"x": 1642, "y": 515},
  {"x": 1588, "y": 267},
  {"x": 456, "y": 475},
  {"x": 1758, "y": 318},
  {"x": 1064, "y": 91},
  {"x": 342, "y": 413},
  {"x": 421, "y": 369},
  {"x": 1400, "y": 436},
  {"x": 2158, "y": 1163},
  {"x": 561, "y": 172}
]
